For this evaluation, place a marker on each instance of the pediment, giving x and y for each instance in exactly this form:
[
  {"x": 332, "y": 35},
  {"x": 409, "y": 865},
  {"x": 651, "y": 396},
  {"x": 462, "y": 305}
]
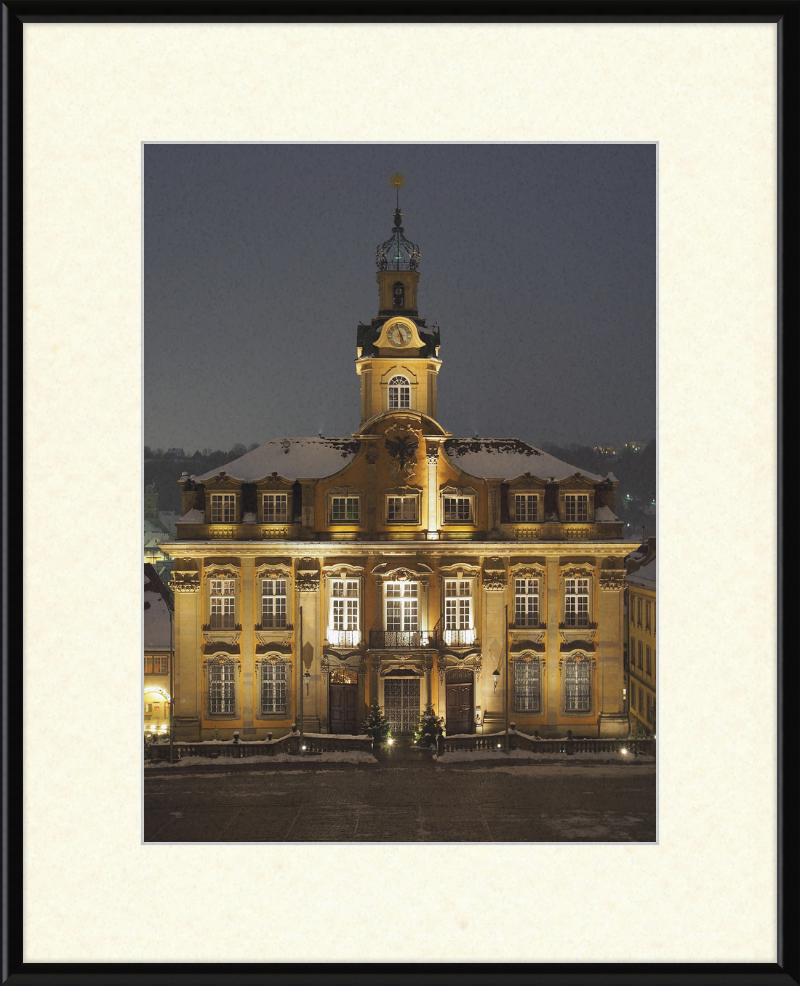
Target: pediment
[{"x": 374, "y": 425}]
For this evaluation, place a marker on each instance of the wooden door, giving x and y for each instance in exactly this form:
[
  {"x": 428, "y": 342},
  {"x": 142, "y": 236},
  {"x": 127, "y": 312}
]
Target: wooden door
[
  {"x": 344, "y": 708},
  {"x": 458, "y": 703}
]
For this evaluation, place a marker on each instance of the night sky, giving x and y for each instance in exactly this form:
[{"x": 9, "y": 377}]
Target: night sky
[{"x": 538, "y": 261}]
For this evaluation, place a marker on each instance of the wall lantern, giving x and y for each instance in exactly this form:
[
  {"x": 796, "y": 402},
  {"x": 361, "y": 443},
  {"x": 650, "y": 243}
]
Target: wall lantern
[
  {"x": 495, "y": 679},
  {"x": 307, "y": 678}
]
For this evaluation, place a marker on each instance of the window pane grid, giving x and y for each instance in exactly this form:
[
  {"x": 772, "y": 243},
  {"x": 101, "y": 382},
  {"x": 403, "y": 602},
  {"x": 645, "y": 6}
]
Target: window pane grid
[
  {"x": 526, "y": 603},
  {"x": 527, "y": 694},
  {"x": 526, "y": 508},
  {"x": 273, "y": 689},
  {"x": 457, "y": 508},
  {"x": 576, "y": 509},
  {"x": 577, "y": 686},
  {"x": 401, "y": 508},
  {"x": 399, "y": 393},
  {"x": 344, "y": 508},
  {"x": 222, "y": 604},
  {"x": 223, "y": 508},
  {"x": 576, "y": 602},
  {"x": 221, "y": 689}
]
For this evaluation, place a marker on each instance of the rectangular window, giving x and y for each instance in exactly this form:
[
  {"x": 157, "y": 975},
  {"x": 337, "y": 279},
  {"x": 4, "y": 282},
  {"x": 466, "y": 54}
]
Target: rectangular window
[
  {"x": 647, "y": 615},
  {"x": 576, "y": 508},
  {"x": 273, "y": 689},
  {"x": 401, "y": 508},
  {"x": 344, "y": 612},
  {"x": 577, "y": 686},
  {"x": 458, "y": 629},
  {"x": 276, "y": 508},
  {"x": 222, "y": 689},
  {"x": 638, "y": 612},
  {"x": 160, "y": 665},
  {"x": 633, "y": 698},
  {"x": 639, "y": 655},
  {"x": 402, "y": 607},
  {"x": 222, "y": 604},
  {"x": 649, "y": 666},
  {"x": 273, "y": 603},
  {"x": 576, "y": 603},
  {"x": 526, "y": 509},
  {"x": 526, "y": 603},
  {"x": 344, "y": 508},
  {"x": 641, "y": 700},
  {"x": 457, "y": 509},
  {"x": 223, "y": 508},
  {"x": 148, "y": 706},
  {"x": 148, "y": 665},
  {"x": 527, "y": 693}
]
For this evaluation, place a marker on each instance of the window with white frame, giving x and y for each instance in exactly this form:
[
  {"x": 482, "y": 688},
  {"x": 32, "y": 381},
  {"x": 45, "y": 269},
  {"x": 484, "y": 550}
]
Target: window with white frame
[
  {"x": 577, "y": 686},
  {"x": 273, "y": 603},
  {"x": 457, "y": 509},
  {"x": 458, "y": 628},
  {"x": 345, "y": 508},
  {"x": 576, "y": 508},
  {"x": 526, "y": 603},
  {"x": 401, "y": 509},
  {"x": 222, "y": 688},
  {"x": 275, "y": 508},
  {"x": 156, "y": 665},
  {"x": 344, "y": 625},
  {"x": 273, "y": 688},
  {"x": 526, "y": 508},
  {"x": 402, "y": 607},
  {"x": 576, "y": 602},
  {"x": 223, "y": 508},
  {"x": 399, "y": 392},
  {"x": 527, "y": 686},
  {"x": 223, "y": 608}
]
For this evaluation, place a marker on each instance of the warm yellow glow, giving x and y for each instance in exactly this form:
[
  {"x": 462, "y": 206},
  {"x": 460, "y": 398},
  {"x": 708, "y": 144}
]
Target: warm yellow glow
[
  {"x": 390, "y": 742},
  {"x": 624, "y": 750},
  {"x": 397, "y": 180}
]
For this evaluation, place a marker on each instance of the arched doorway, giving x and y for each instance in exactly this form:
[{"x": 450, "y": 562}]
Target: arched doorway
[
  {"x": 459, "y": 701},
  {"x": 344, "y": 701}
]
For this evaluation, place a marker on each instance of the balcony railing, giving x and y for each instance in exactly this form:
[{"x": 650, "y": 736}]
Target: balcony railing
[
  {"x": 344, "y": 638},
  {"x": 460, "y": 638},
  {"x": 408, "y": 639}
]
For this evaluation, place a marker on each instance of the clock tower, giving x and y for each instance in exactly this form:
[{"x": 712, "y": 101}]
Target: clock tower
[{"x": 398, "y": 354}]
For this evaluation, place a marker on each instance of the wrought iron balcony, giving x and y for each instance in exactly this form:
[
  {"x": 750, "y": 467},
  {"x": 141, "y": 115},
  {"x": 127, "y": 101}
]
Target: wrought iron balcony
[
  {"x": 344, "y": 638},
  {"x": 407, "y": 640}
]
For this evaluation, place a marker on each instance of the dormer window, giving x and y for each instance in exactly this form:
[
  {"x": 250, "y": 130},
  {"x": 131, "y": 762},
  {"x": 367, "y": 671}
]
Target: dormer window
[
  {"x": 402, "y": 509},
  {"x": 576, "y": 508},
  {"x": 526, "y": 508},
  {"x": 223, "y": 508},
  {"x": 399, "y": 392},
  {"x": 275, "y": 506},
  {"x": 398, "y": 295}
]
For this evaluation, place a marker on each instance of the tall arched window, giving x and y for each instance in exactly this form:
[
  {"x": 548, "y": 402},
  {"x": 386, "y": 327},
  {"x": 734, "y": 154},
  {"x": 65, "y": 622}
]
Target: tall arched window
[{"x": 399, "y": 392}]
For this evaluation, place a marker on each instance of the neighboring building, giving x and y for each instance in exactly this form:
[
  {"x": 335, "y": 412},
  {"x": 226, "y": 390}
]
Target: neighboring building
[
  {"x": 157, "y": 648},
  {"x": 641, "y": 638},
  {"x": 156, "y": 530},
  {"x": 414, "y": 559}
]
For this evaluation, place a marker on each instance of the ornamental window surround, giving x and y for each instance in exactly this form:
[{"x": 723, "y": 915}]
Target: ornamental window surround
[
  {"x": 273, "y": 603},
  {"x": 526, "y": 508},
  {"x": 274, "y": 508},
  {"x": 399, "y": 392},
  {"x": 576, "y": 602},
  {"x": 345, "y": 505},
  {"x": 402, "y": 509},
  {"x": 527, "y": 686},
  {"x": 459, "y": 629},
  {"x": 222, "y": 604},
  {"x": 526, "y": 602},
  {"x": 344, "y": 625},
  {"x": 576, "y": 508},
  {"x": 402, "y": 606},
  {"x": 223, "y": 508}
]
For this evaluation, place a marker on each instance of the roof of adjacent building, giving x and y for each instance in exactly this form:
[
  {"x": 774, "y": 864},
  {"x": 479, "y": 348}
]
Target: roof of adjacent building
[
  {"x": 156, "y": 612},
  {"x": 644, "y": 577},
  {"x": 314, "y": 458}
]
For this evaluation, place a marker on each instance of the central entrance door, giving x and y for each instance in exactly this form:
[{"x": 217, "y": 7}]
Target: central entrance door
[
  {"x": 459, "y": 701},
  {"x": 344, "y": 702},
  {"x": 401, "y": 703}
]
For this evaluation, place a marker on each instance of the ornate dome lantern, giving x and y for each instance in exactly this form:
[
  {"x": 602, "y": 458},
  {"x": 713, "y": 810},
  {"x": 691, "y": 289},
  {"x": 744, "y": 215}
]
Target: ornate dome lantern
[{"x": 397, "y": 253}]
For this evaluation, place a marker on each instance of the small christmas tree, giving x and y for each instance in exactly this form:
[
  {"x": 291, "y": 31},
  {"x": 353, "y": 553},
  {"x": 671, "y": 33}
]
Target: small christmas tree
[
  {"x": 376, "y": 724},
  {"x": 429, "y": 728}
]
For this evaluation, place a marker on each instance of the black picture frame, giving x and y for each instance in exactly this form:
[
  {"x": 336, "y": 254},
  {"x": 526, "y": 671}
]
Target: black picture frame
[{"x": 786, "y": 14}]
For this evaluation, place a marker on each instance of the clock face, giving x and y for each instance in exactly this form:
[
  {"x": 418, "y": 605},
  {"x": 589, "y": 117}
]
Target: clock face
[{"x": 399, "y": 336}]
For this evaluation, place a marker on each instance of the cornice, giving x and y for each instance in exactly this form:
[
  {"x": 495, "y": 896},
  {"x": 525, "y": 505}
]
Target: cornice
[{"x": 321, "y": 549}]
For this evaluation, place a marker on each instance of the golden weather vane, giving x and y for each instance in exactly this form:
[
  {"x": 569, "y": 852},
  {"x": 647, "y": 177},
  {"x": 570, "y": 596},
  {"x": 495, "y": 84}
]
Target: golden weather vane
[{"x": 397, "y": 181}]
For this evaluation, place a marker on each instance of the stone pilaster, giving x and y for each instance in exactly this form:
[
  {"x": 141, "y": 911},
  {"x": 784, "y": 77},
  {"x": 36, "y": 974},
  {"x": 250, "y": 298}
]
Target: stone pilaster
[
  {"x": 432, "y": 456},
  {"x": 246, "y": 643},
  {"x": 553, "y": 615},
  {"x": 187, "y": 682}
]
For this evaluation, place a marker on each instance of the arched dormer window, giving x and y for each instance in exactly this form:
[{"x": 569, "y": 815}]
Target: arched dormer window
[
  {"x": 399, "y": 392},
  {"x": 398, "y": 295}
]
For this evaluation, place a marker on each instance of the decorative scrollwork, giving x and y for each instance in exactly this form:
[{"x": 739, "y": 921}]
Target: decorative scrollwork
[{"x": 495, "y": 581}]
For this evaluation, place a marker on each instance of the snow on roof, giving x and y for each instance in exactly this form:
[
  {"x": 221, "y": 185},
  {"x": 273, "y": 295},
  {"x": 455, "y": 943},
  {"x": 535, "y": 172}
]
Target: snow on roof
[
  {"x": 508, "y": 458},
  {"x": 605, "y": 515},
  {"x": 645, "y": 576},
  {"x": 294, "y": 458},
  {"x": 194, "y": 516},
  {"x": 156, "y": 620}
]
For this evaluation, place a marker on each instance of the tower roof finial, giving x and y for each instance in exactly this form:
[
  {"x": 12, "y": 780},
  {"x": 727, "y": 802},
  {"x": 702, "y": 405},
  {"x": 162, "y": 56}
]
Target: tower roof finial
[{"x": 402, "y": 254}]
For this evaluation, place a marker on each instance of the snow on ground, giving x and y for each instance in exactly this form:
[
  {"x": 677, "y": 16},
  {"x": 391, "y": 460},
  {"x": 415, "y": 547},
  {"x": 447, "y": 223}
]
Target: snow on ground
[
  {"x": 462, "y": 755},
  {"x": 352, "y": 756}
]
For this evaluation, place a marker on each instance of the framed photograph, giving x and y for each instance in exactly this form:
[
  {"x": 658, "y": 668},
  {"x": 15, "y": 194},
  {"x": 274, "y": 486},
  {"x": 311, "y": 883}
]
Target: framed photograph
[{"x": 714, "y": 89}]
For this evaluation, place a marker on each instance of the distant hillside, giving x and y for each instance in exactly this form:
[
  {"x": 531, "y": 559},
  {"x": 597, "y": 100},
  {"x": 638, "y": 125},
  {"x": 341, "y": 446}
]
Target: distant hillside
[{"x": 165, "y": 470}]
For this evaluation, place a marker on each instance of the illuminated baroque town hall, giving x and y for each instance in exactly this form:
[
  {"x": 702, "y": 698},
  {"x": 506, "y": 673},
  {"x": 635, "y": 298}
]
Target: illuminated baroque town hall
[{"x": 480, "y": 575}]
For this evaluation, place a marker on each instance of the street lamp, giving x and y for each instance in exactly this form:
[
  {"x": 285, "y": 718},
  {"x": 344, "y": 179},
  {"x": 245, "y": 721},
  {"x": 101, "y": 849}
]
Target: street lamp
[
  {"x": 495, "y": 679},
  {"x": 307, "y": 678}
]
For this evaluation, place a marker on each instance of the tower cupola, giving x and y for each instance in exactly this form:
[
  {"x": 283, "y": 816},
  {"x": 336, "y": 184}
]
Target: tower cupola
[{"x": 397, "y": 260}]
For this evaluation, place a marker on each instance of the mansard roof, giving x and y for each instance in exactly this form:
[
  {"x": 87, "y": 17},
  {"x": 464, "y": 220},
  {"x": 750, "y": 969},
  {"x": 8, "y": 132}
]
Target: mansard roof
[
  {"x": 508, "y": 458},
  {"x": 292, "y": 458}
]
